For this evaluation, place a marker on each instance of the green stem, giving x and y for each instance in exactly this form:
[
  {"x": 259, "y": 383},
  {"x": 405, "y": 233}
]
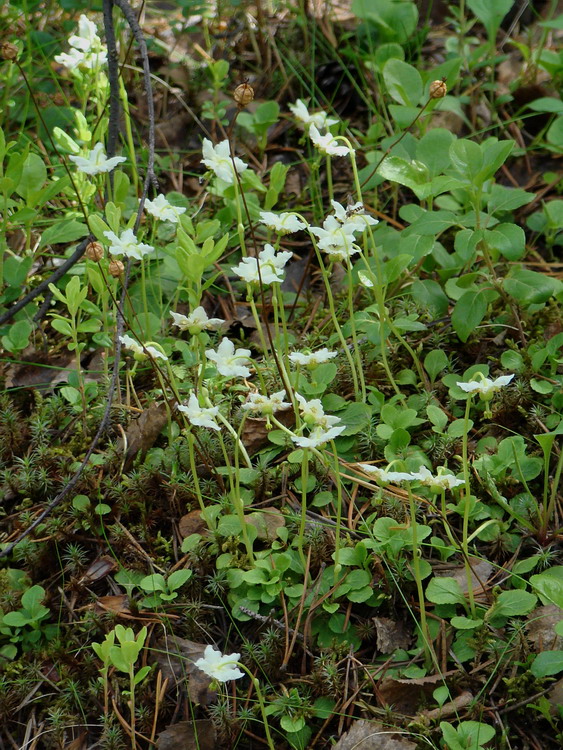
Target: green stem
[
  {"x": 262, "y": 705},
  {"x": 466, "y": 507},
  {"x": 418, "y": 578},
  {"x": 304, "y": 483}
]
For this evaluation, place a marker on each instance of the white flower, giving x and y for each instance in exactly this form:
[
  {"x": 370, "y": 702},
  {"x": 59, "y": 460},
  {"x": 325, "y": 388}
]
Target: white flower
[
  {"x": 327, "y": 143},
  {"x": 271, "y": 266},
  {"x": 257, "y": 402},
  {"x": 384, "y": 475},
  {"x": 229, "y": 362},
  {"x": 336, "y": 238},
  {"x": 141, "y": 350},
  {"x": 196, "y": 322},
  {"x": 353, "y": 215},
  {"x": 318, "y": 119},
  {"x": 200, "y": 415},
  {"x": 318, "y": 436},
  {"x": 439, "y": 482},
  {"x": 87, "y": 50},
  {"x": 285, "y": 223},
  {"x": 313, "y": 413},
  {"x": 219, "y": 667},
  {"x": 218, "y": 158},
  {"x": 312, "y": 360},
  {"x": 161, "y": 209},
  {"x": 127, "y": 245},
  {"x": 96, "y": 161},
  {"x": 365, "y": 280},
  {"x": 486, "y": 387}
]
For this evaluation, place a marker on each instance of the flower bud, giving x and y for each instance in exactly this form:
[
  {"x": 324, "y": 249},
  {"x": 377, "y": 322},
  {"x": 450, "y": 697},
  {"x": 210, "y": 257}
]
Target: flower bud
[
  {"x": 243, "y": 95},
  {"x": 8, "y": 51},
  {"x": 116, "y": 268},
  {"x": 438, "y": 89},
  {"x": 94, "y": 251}
]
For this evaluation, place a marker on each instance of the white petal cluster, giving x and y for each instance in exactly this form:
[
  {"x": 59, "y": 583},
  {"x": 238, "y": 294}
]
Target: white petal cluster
[
  {"x": 385, "y": 475},
  {"x": 327, "y": 143},
  {"x": 200, "y": 415},
  {"x": 318, "y": 436},
  {"x": 86, "y": 48},
  {"x": 337, "y": 234},
  {"x": 323, "y": 426},
  {"x": 218, "y": 159},
  {"x": 313, "y": 359},
  {"x": 486, "y": 387},
  {"x": 219, "y": 667},
  {"x": 285, "y": 223},
  {"x": 229, "y": 362},
  {"x": 96, "y": 161},
  {"x": 160, "y": 208},
  {"x": 440, "y": 481},
  {"x": 141, "y": 350},
  {"x": 271, "y": 266},
  {"x": 265, "y": 405},
  {"x": 319, "y": 119},
  {"x": 196, "y": 322},
  {"x": 127, "y": 245}
]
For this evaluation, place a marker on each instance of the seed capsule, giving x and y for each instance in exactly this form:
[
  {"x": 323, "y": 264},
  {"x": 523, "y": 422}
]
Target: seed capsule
[
  {"x": 94, "y": 251},
  {"x": 438, "y": 89},
  {"x": 243, "y": 95},
  {"x": 8, "y": 51},
  {"x": 116, "y": 268}
]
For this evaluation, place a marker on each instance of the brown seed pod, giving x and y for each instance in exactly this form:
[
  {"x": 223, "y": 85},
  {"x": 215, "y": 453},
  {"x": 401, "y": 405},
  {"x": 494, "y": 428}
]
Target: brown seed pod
[
  {"x": 438, "y": 89},
  {"x": 8, "y": 51},
  {"x": 243, "y": 95},
  {"x": 116, "y": 268},
  {"x": 94, "y": 251}
]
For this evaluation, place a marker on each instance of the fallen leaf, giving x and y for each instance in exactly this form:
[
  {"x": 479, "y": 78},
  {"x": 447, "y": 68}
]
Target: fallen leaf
[
  {"x": 266, "y": 522},
  {"x": 78, "y": 744},
  {"x": 555, "y": 697},
  {"x": 191, "y": 523},
  {"x": 188, "y": 735},
  {"x": 541, "y": 628},
  {"x": 370, "y": 735},
  {"x": 480, "y": 572},
  {"x": 391, "y": 635},
  {"x": 97, "y": 570},
  {"x": 451, "y": 707},
  {"x": 255, "y": 431},
  {"x": 118, "y": 604},
  {"x": 406, "y": 695},
  {"x": 40, "y": 370},
  {"x": 175, "y": 657},
  {"x": 143, "y": 431}
]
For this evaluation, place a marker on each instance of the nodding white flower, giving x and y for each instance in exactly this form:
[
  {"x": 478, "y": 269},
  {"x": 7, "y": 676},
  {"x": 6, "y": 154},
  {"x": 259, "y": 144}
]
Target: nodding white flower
[
  {"x": 313, "y": 413},
  {"x": 318, "y": 119},
  {"x": 439, "y": 482},
  {"x": 271, "y": 266},
  {"x": 486, "y": 387},
  {"x": 200, "y": 415},
  {"x": 87, "y": 50},
  {"x": 261, "y": 404},
  {"x": 336, "y": 238},
  {"x": 229, "y": 362},
  {"x": 317, "y": 436},
  {"x": 219, "y": 667},
  {"x": 218, "y": 158},
  {"x": 161, "y": 209},
  {"x": 127, "y": 245},
  {"x": 365, "y": 280},
  {"x": 139, "y": 350},
  {"x": 96, "y": 162},
  {"x": 196, "y": 322},
  {"x": 353, "y": 215},
  {"x": 313, "y": 359},
  {"x": 327, "y": 143},
  {"x": 384, "y": 475},
  {"x": 285, "y": 223}
]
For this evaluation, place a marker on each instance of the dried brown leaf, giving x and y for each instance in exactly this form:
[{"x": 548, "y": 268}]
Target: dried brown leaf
[
  {"x": 541, "y": 628},
  {"x": 481, "y": 570},
  {"x": 143, "y": 431},
  {"x": 391, "y": 634},
  {"x": 97, "y": 570},
  {"x": 370, "y": 735},
  {"x": 176, "y": 657},
  {"x": 118, "y": 604},
  {"x": 188, "y": 735},
  {"x": 266, "y": 522}
]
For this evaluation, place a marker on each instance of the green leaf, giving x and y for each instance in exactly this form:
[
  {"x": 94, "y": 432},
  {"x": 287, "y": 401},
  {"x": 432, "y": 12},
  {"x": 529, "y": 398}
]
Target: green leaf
[
  {"x": 490, "y": 13},
  {"x": 549, "y": 585},
  {"x": 512, "y": 604},
  {"x": 468, "y": 312},
  {"x": 466, "y": 158},
  {"x": 178, "y": 578},
  {"x": 434, "y": 362},
  {"x": 412, "y": 174},
  {"x": 507, "y": 199},
  {"x": 356, "y": 417},
  {"x": 530, "y": 287},
  {"x": 33, "y": 176},
  {"x": 65, "y": 230},
  {"x": 445, "y": 591},
  {"x": 154, "y": 582},
  {"x": 547, "y": 663},
  {"x": 403, "y": 82},
  {"x": 508, "y": 239}
]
